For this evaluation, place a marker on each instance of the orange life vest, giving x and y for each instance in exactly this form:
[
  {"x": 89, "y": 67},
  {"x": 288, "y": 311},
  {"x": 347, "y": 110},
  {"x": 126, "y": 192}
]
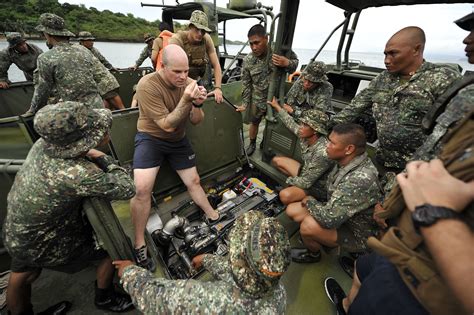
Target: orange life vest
[{"x": 165, "y": 36}]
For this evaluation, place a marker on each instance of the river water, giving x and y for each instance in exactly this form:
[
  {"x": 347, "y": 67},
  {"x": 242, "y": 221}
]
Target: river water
[{"x": 123, "y": 55}]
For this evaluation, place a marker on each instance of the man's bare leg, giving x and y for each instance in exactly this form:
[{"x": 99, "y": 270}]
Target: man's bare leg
[
  {"x": 314, "y": 235},
  {"x": 296, "y": 211},
  {"x": 105, "y": 273},
  {"x": 19, "y": 291},
  {"x": 141, "y": 203},
  {"x": 116, "y": 102},
  {"x": 253, "y": 131},
  {"x": 353, "y": 292},
  {"x": 190, "y": 178},
  {"x": 292, "y": 194},
  {"x": 286, "y": 165}
]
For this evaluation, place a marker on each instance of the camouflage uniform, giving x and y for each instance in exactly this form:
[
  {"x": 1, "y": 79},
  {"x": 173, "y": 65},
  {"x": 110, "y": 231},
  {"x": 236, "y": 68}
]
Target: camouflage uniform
[
  {"x": 44, "y": 225},
  {"x": 353, "y": 190},
  {"x": 88, "y": 36},
  {"x": 26, "y": 62},
  {"x": 239, "y": 289},
  {"x": 316, "y": 164},
  {"x": 146, "y": 52},
  {"x": 318, "y": 98},
  {"x": 256, "y": 74},
  {"x": 398, "y": 108}
]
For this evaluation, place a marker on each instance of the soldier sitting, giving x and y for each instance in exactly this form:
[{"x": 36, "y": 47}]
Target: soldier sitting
[
  {"x": 310, "y": 177},
  {"x": 44, "y": 226},
  {"x": 22, "y": 54},
  {"x": 345, "y": 220},
  {"x": 247, "y": 279},
  {"x": 311, "y": 91}
]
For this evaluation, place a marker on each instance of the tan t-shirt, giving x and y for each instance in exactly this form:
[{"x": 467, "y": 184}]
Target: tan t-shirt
[{"x": 157, "y": 99}]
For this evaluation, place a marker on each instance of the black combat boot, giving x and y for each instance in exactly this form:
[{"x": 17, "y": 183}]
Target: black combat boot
[
  {"x": 252, "y": 146},
  {"x": 109, "y": 300}
]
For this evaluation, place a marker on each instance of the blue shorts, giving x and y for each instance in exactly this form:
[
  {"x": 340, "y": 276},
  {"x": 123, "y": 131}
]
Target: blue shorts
[
  {"x": 383, "y": 290},
  {"x": 151, "y": 151}
]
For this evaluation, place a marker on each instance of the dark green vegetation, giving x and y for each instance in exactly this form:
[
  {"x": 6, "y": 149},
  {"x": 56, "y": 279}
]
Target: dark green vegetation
[{"x": 22, "y": 16}]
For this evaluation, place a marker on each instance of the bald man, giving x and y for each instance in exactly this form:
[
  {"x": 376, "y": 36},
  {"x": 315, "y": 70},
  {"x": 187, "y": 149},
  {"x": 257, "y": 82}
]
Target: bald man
[
  {"x": 168, "y": 99},
  {"x": 399, "y": 97}
]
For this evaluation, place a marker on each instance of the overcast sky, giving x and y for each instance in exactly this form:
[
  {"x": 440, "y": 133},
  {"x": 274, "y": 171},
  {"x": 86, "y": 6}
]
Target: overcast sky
[{"x": 316, "y": 19}]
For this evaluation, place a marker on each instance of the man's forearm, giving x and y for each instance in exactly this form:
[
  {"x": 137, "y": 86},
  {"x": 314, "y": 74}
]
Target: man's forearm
[
  {"x": 450, "y": 243},
  {"x": 180, "y": 113},
  {"x": 196, "y": 115}
]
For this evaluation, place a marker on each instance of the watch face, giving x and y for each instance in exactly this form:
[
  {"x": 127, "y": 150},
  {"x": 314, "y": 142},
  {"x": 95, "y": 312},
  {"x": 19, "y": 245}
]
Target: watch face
[
  {"x": 421, "y": 216},
  {"x": 426, "y": 215}
]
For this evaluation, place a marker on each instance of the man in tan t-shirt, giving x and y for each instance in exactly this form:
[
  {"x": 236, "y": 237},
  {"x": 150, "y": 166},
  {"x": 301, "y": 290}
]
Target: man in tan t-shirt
[
  {"x": 168, "y": 99},
  {"x": 200, "y": 49}
]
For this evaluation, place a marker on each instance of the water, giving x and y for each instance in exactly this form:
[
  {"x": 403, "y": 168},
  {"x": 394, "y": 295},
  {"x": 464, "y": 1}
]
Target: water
[{"x": 123, "y": 55}]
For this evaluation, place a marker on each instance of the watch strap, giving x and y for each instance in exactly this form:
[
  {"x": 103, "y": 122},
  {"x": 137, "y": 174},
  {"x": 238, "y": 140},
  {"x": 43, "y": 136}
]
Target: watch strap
[{"x": 427, "y": 215}]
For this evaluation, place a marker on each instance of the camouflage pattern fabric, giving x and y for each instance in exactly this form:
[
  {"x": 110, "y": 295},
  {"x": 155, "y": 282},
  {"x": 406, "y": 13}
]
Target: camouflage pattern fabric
[
  {"x": 146, "y": 53},
  {"x": 457, "y": 108},
  {"x": 25, "y": 62},
  {"x": 13, "y": 39},
  {"x": 53, "y": 24},
  {"x": 44, "y": 225},
  {"x": 315, "y": 72},
  {"x": 256, "y": 74},
  {"x": 301, "y": 101},
  {"x": 199, "y": 20},
  {"x": 101, "y": 58},
  {"x": 398, "y": 108},
  {"x": 71, "y": 70},
  {"x": 316, "y": 164},
  {"x": 353, "y": 190},
  {"x": 246, "y": 282}
]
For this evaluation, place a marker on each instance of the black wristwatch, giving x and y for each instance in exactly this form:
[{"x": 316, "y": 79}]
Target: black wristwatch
[
  {"x": 196, "y": 105},
  {"x": 427, "y": 215}
]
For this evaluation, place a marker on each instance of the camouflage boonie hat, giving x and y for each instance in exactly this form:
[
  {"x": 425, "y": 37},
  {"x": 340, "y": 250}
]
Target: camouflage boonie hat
[
  {"x": 317, "y": 120},
  {"x": 199, "y": 19},
  {"x": 53, "y": 25},
  {"x": 85, "y": 36},
  {"x": 259, "y": 252},
  {"x": 70, "y": 128},
  {"x": 14, "y": 39},
  {"x": 466, "y": 22},
  {"x": 315, "y": 72},
  {"x": 148, "y": 37}
]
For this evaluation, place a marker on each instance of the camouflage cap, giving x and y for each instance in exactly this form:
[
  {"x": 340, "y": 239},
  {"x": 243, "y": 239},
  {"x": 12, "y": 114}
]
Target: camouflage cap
[
  {"x": 70, "y": 128},
  {"x": 148, "y": 36},
  {"x": 14, "y": 39},
  {"x": 85, "y": 36},
  {"x": 315, "y": 72},
  {"x": 199, "y": 19},
  {"x": 259, "y": 252},
  {"x": 317, "y": 120},
  {"x": 466, "y": 22},
  {"x": 52, "y": 24}
]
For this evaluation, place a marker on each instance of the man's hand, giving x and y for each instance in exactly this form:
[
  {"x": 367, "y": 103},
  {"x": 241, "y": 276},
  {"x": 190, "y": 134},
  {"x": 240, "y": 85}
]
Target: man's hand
[
  {"x": 288, "y": 108},
  {"x": 381, "y": 222},
  {"x": 240, "y": 108},
  {"x": 120, "y": 266},
  {"x": 194, "y": 92},
  {"x": 217, "y": 95},
  {"x": 280, "y": 61},
  {"x": 4, "y": 85},
  {"x": 197, "y": 261},
  {"x": 94, "y": 154},
  {"x": 430, "y": 182},
  {"x": 274, "y": 103}
]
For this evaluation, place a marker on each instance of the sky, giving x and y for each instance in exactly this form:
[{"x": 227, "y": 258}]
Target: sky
[{"x": 316, "y": 19}]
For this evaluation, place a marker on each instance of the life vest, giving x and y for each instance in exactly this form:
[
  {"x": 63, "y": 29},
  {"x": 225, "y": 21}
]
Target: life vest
[
  {"x": 165, "y": 36},
  {"x": 197, "y": 57}
]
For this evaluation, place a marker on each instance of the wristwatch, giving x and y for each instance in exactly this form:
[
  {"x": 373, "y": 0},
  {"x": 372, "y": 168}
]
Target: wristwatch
[
  {"x": 427, "y": 215},
  {"x": 197, "y": 105}
]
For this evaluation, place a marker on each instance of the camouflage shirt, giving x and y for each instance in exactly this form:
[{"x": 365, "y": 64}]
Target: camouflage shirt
[
  {"x": 457, "y": 108},
  {"x": 353, "y": 190},
  {"x": 25, "y": 62},
  {"x": 398, "y": 108},
  {"x": 146, "y": 53},
  {"x": 316, "y": 164},
  {"x": 162, "y": 296},
  {"x": 72, "y": 71},
  {"x": 300, "y": 100},
  {"x": 101, "y": 58},
  {"x": 44, "y": 224},
  {"x": 256, "y": 74}
]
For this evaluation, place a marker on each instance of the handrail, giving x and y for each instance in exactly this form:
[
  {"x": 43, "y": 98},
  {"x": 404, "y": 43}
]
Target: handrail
[
  {"x": 349, "y": 40},
  {"x": 326, "y": 41},
  {"x": 342, "y": 40}
]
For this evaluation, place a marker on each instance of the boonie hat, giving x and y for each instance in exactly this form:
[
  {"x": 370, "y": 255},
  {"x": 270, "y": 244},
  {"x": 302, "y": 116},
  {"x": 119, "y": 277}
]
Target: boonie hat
[
  {"x": 53, "y": 25},
  {"x": 315, "y": 72},
  {"x": 85, "y": 36},
  {"x": 147, "y": 37},
  {"x": 259, "y": 252},
  {"x": 466, "y": 22},
  {"x": 199, "y": 19},
  {"x": 317, "y": 120},
  {"x": 70, "y": 128},
  {"x": 14, "y": 39}
]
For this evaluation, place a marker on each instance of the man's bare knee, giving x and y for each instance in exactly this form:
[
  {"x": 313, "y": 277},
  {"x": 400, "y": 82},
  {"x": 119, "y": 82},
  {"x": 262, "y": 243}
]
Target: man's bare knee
[
  {"x": 276, "y": 161},
  {"x": 285, "y": 196}
]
